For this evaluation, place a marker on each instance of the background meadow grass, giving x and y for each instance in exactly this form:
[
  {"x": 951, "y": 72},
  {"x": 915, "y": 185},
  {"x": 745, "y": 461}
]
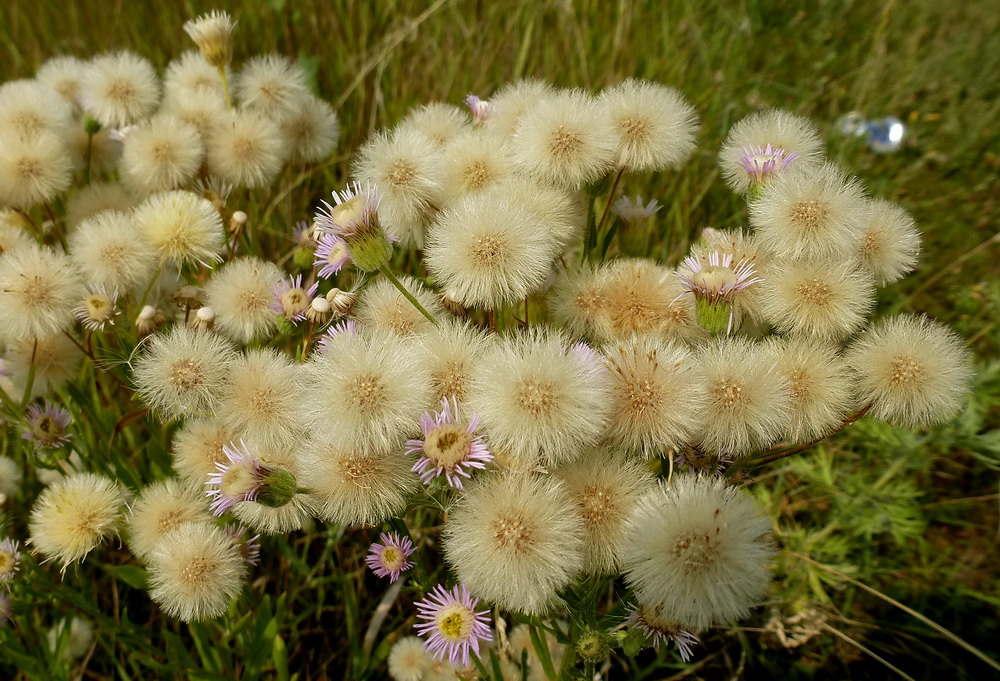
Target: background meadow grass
[{"x": 913, "y": 516}]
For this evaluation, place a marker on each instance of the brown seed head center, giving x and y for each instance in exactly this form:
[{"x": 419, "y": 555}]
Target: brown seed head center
[
  {"x": 635, "y": 129},
  {"x": 401, "y": 173},
  {"x": 565, "y": 143},
  {"x": 477, "y": 175},
  {"x": 904, "y": 370},
  {"x": 727, "y": 394},
  {"x": 186, "y": 373},
  {"x": 490, "y": 250},
  {"x": 597, "y": 506},
  {"x": 367, "y": 392},
  {"x": 198, "y": 570},
  {"x": 447, "y": 446},
  {"x": 811, "y": 216},
  {"x": 512, "y": 531},
  {"x": 815, "y": 292},
  {"x": 537, "y": 398}
]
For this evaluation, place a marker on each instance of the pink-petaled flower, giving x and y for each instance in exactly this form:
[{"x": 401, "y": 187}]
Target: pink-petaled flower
[
  {"x": 346, "y": 326},
  {"x": 448, "y": 448},
  {"x": 331, "y": 255},
  {"x": 290, "y": 299},
  {"x": 239, "y": 480},
  {"x": 354, "y": 218},
  {"x": 451, "y": 625},
  {"x": 481, "y": 109},
  {"x": 715, "y": 281},
  {"x": 389, "y": 558},
  {"x": 10, "y": 557},
  {"x": 762, "y": 162},
  {"x": 249, "y": 546},
  {"x": 47, "y": 425},
  {"x": 98, "y": 309},
  {"x": 648, "y": 621},
  {"x": 630, "y": 211}
]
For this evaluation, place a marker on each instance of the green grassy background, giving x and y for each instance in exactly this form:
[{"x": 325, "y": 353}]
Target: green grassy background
[{"x": 913, "y": 515}]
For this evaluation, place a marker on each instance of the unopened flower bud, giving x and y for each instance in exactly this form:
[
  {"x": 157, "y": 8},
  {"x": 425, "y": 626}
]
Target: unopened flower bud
[
  {"x": 451, "y": 304},
  {"x": 237, "y": 223},
  {"x": 278, "y": 489},
  {"x": 149, "y": 320},
  {"x": 203, "y": 319},
  {"x": 592, "y": 646},
  {"x": 341, "y": 301},
  {"x": 320, "y": 310},
  {"x": 189, "y": 296}
]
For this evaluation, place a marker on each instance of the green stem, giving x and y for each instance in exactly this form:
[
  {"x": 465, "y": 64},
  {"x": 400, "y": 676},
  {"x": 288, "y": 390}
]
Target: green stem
[
  {"x": 611, "y": 199},
  {"x": 225, "y": 87},
  {"x": 409, "y": 296},
  {"x": 145, "y": 294}
]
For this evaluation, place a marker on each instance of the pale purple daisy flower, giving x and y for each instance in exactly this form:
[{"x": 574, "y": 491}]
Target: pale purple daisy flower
[
  {"x": 448, "y": 448},
  {"x": 331, "y": 255},
  {"x": 762, "y": 162},
  {"x": 98, "y": 308},
  {"x": 10, "y": 557},
  {"x": 389, "y": 559},
  {"x": 661, "y": 632},
  {"x": 290, "y": 299},
  {"x": 700, "y": 461},
  {"x": 346, "y": 326},
  {"x": 481, "y": 109},
  {"x": 239, "y": 480},
  {"x": 716, "y": 282},
  {"x": 451, "y": 626},
  {"x": 47, "y": 425},
  {"x": 249, "y": 546},
  {"x": 302, "y": 234},
  {"x": 630, "y": 211},
  {"x": 354, "y": 218}
]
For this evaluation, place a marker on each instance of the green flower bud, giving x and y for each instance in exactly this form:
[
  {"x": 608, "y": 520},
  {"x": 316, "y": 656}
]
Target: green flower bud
[{"x": 278, "y": 489}]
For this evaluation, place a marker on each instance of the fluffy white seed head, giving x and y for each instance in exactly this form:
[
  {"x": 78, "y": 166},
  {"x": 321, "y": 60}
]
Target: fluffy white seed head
[
  {"x": 824, "y": 299},
  {"x": 488, "y": 253},
  {"x": 438, "y": 122},
  {"x": 566, "y": 139},
  {"x": 108, "y": 252},
  {"x": 190, "y": 74},
  {"x": 367, "y": 391},
  {"x": 810, "y": 212},
  {"x": 657, "y": 396},
  {"x": 408, "y": 659},
  {"x": 241, "y": 294},
  {"x": 382, "y": 307},
  {"x": 213, "y": 34},
  {"x": 164, "y": 153},
  {"x": 698, "y": 552},
  {"x": 64, "y": 75},
  {"x": 406, "y": 168},
  {"x": 890, "y": 242},
  {"x": 12, "y": 233},
  {"x": 183, "y": 372},
  {"x": 245, "y": 149},
  {"x": 197, "y": 447},
  {"x": 205, "y": 111},
  {"x": 31, "y": 107},
  {"x": 120, "y": 88},
  {"x": 509, "y": 104},
  {"x": 560, "y": 213},
  {"x": 161, "y": 507},
  {"x": 473, "y": 162},
  {"x": 272, "y": 85},
  {"x": 515, "y": 540},
  {"x": 747, "y": 400},
  {"x": 39, "y": 288},
  {"x": 33, "y": 170},
  {"x": 72, "y": 516},
  {"x": 195, "y": 571},
  {"x": 782, "y": 130},
  {"x": 912, "y": 370},
  {"x": 605, "y": 489},
  {"x": 86, "y": 202},
  {"x": 56, "y": 360},
  {"x": 312, "y": 132},
  {"x": 181, "y": 227},
  {"x": 654, "y": 126},
  {"x": 452, "y": 350},
  {"x": 540, "y": 399}
]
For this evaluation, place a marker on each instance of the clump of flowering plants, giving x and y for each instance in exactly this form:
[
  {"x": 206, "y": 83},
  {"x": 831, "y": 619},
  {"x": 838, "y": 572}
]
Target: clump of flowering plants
[{"x": 466, "y": 351}]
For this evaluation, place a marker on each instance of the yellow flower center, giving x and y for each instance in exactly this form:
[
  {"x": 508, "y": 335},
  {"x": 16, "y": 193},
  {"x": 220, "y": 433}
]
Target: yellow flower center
[
  {"x": 392, "y": 558},
  {"x": 714, "y": 277},
  {"x": 6, "y": 563},
  {"x": 236, "y": 481},
  {"x": 447, "y": 446},
  {"x": 455, "y": 622}
]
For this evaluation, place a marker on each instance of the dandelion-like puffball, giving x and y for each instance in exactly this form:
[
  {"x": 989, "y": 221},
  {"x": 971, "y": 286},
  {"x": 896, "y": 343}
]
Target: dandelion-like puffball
[
  {"x": 163, "y": 154},
  {"x": 56, "y": 360},
  {"x": 657, "y": 396},
  {"x": 654, "y": 126},
  {"x": 698, "y": 552},
  {"x": 161, "y": 507},
  {"x": 367, "y": 391},
  {"x": 408, "y": 659},
  {"x": 195, "y": 571},
  {"x": 33, "y": 170},
  {"x": 312, "y": 132},
  {"x": 605, "y": 489},
  {"x": 509, "y": 104},
  {"x": 515, "y": 540},
  {"x": 10, "y": 476},
  {"x": 473, "y": 162},
  {"x": 119, "y": 88},
  {"x": 197, "y": 447},
  {"x": 820, "y": 385},
  {"x": 30, "y": 107},
  {"x": 560, "y": 213},
  {"x": 72, "y": 516},
  {"x": 38, "y": 291},
  {"x": 190, "y": 74},
  {"x": 815, "y": 212},
  {"x": 241, "y": 294},
  {"x": 205, "y": 112},
  {"x": 576, "y": 300},
  {"x": 12, "y": 236},
  {"x": 357, "y": 486},
  {"x": 277, "y": 519},
  {"x": 452, "y": 351},
  {"x": 64, "y": 75},
  {"x": 488, "y": 253},
  {"x": 103, "y": 147},
  {"x": 821, "y": 299},
  {"x": 383, "y": 308},
  {"x": 747, "y": 403},
  {"x": 76, "y": 642},
  {"x": 567, "y": 139},
  {"x": 107, "y": 251},
  {"x": 540, "y": 399},
  {"x": 86, "y": 202},
  {"x": 183, "y": 372},
  {"x": 912, "y": 370},
  {"x": 261, "y": 400},
  {"x": 890, "y": 242},
  {"x": 245, "y": 149},
  {"x": 765, "y": 144},
  {"x": 272, "y": 85},
  {"x": 406, "y": 168},
  {"x": 213, "y": 34},
  {"x": 181, "y": 227},
  {"x": 438, "y": 122}
]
